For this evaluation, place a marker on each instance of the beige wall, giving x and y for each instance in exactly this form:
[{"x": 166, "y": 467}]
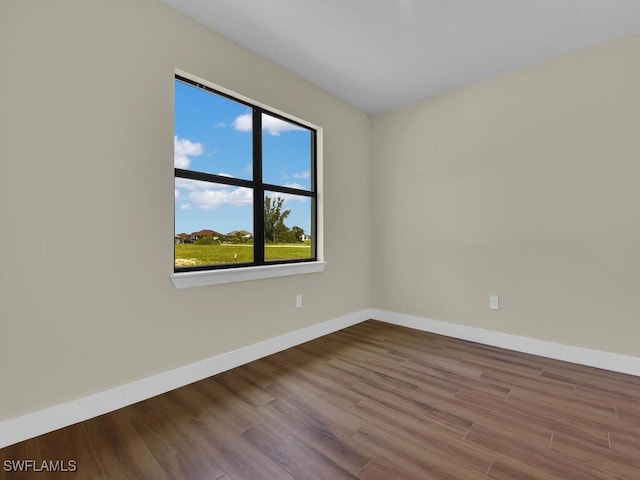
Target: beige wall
[
  {"x": 525, "y": 186},
  {"x": 86, "y": 201}
]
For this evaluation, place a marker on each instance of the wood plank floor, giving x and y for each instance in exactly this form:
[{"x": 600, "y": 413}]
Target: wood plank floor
[{"x": 373, "y": 401}]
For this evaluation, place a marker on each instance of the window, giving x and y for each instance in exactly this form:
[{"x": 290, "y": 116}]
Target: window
[{"x": 245, "y": 184}]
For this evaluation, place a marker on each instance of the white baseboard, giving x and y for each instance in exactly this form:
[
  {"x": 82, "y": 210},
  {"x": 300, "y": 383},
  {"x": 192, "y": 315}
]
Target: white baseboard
[
  {"x": 568, "y": 353},
  {"x": 37, "y": 423}
]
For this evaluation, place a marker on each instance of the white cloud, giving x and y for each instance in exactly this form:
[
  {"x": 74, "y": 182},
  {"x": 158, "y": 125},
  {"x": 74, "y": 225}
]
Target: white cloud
[
  {"x": 271, "y": 124},
  {"x": 274, "y": 125},
  {"x": 207, "y": 196},
  {"x": 220, "y": 125},
  {"x": 185, "y": 206},
  {"x": 184, "y": 184},
  {"x": 210, "y": 198},
  {"x": 243, "y": 123},
  {"x": 301, "y": 175},
  {"x": 183, "y": 149}
]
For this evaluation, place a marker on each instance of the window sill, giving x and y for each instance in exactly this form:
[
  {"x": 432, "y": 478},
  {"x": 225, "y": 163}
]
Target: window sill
[{"x": 217, "y": 277}]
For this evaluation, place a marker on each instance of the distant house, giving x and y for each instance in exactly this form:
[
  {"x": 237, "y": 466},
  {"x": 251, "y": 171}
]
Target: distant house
[
  {"x": 304, "y": 237},
  {"x": 205, "y": 233},
  {"x": 182, "y": 237}
]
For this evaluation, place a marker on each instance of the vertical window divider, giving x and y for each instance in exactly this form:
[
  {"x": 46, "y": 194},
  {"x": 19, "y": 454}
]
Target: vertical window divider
[{"x": 258, "y": 202}]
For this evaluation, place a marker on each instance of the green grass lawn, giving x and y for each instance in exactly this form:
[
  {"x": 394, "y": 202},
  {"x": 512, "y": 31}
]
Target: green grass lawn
[{"x": 190, "y": 255}]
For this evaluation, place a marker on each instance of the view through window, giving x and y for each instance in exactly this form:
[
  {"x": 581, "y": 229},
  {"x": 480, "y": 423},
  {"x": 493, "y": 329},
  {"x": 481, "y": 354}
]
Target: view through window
[{"x": 245, "y": 189}]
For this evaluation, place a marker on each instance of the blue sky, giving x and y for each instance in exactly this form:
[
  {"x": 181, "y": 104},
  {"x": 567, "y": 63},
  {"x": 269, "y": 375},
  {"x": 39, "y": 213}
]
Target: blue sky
[{"x": 213, "y": 135}]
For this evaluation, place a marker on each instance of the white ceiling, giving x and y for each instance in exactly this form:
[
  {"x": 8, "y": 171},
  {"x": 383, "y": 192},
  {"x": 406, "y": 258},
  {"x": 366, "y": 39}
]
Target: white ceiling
[{"x": 381, "y": 54}]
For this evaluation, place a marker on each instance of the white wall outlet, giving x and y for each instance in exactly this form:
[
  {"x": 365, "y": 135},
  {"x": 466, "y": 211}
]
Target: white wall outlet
[
  {"x": 299, "y": 301},
  {"x": 494, "y": 302}
]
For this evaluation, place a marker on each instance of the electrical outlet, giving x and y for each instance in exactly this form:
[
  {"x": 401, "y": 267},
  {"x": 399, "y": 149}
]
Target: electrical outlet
[
  {"x": 494, "y": 302},
  {"x": 299, "y": 301}
]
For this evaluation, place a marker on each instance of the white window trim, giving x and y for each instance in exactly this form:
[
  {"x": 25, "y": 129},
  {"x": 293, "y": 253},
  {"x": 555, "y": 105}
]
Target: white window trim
[{"x": 204, "y": 278}]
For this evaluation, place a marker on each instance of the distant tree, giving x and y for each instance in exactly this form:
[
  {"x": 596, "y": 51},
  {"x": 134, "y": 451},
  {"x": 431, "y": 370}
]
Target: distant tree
[
  {"x": 237, "y": 237},
  {"x": 287, "y": 236},
  {"x": 274, "y": 217},
  {"x": 298, "y": 232}
]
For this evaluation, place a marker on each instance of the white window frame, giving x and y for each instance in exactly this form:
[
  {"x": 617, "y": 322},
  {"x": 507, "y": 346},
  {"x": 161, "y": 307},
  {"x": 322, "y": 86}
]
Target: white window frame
[{"x": 203, "y": 278}]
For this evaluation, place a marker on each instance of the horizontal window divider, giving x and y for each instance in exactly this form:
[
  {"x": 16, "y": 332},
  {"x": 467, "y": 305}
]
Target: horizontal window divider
[
  {"x": 213, "y": 178},
  {"x": 293, "y": 191}
]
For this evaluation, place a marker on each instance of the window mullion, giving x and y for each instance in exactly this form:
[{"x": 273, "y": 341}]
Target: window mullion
[{"x": 258, "y": 193}]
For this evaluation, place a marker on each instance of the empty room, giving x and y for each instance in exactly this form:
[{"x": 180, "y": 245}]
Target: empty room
[{"x": 377, "y": 239}]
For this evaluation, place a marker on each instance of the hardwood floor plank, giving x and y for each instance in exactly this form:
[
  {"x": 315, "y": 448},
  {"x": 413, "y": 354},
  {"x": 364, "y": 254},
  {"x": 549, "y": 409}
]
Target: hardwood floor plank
[
  {"x": 380, "y": 468},
  {"x": 237, "y": 411},
  {"x": 176, "y": 452},
  {"x": 16, "y": 455},
  {"x": 374, "y": 349},
  {"x": 55, "y": 455},
  {"x": 530, "y": 382},
  {"x": 187, "y": 403},
  {"x": 330, "y": 375},
  {"x": 453, "y": 380},
  {"x": 237, "y": 456},
  {"x": 625, "y": 444},
  {"x": 487, "y": 412},
  {"x": 432, "y": 378},
  {"x": 120, "y": 451},
  {"x": 537, "y": 415},
  {"x": 505, "y": 468},
  {"x": 596, "y": 379},
  {"x": 417, "y": 409},
  {"x": 297, "y": 402},
  {"x": 331, "y": 391},
  {"x": 490, "y": 366},
  {"x": 377, "y": 413},
  {"x": 437, "y": 360},
  {"x": 71, "y": 444},
  {"x": 628, "y": 413},
  {"x": 260, "y": 373},
  {"x": 321, "y": 435},
  {"x": 432, "y": 436},
  {"x": 372, "y": 375},
  {"x": 540, "y": 458},
  {"x": 294, "y": 455},
  {"x": 599, "y": 457},
  {"x": 334, "y": 347},
  {"x": 243, "y": 388},
  {"x": 413, "y": 457}
]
